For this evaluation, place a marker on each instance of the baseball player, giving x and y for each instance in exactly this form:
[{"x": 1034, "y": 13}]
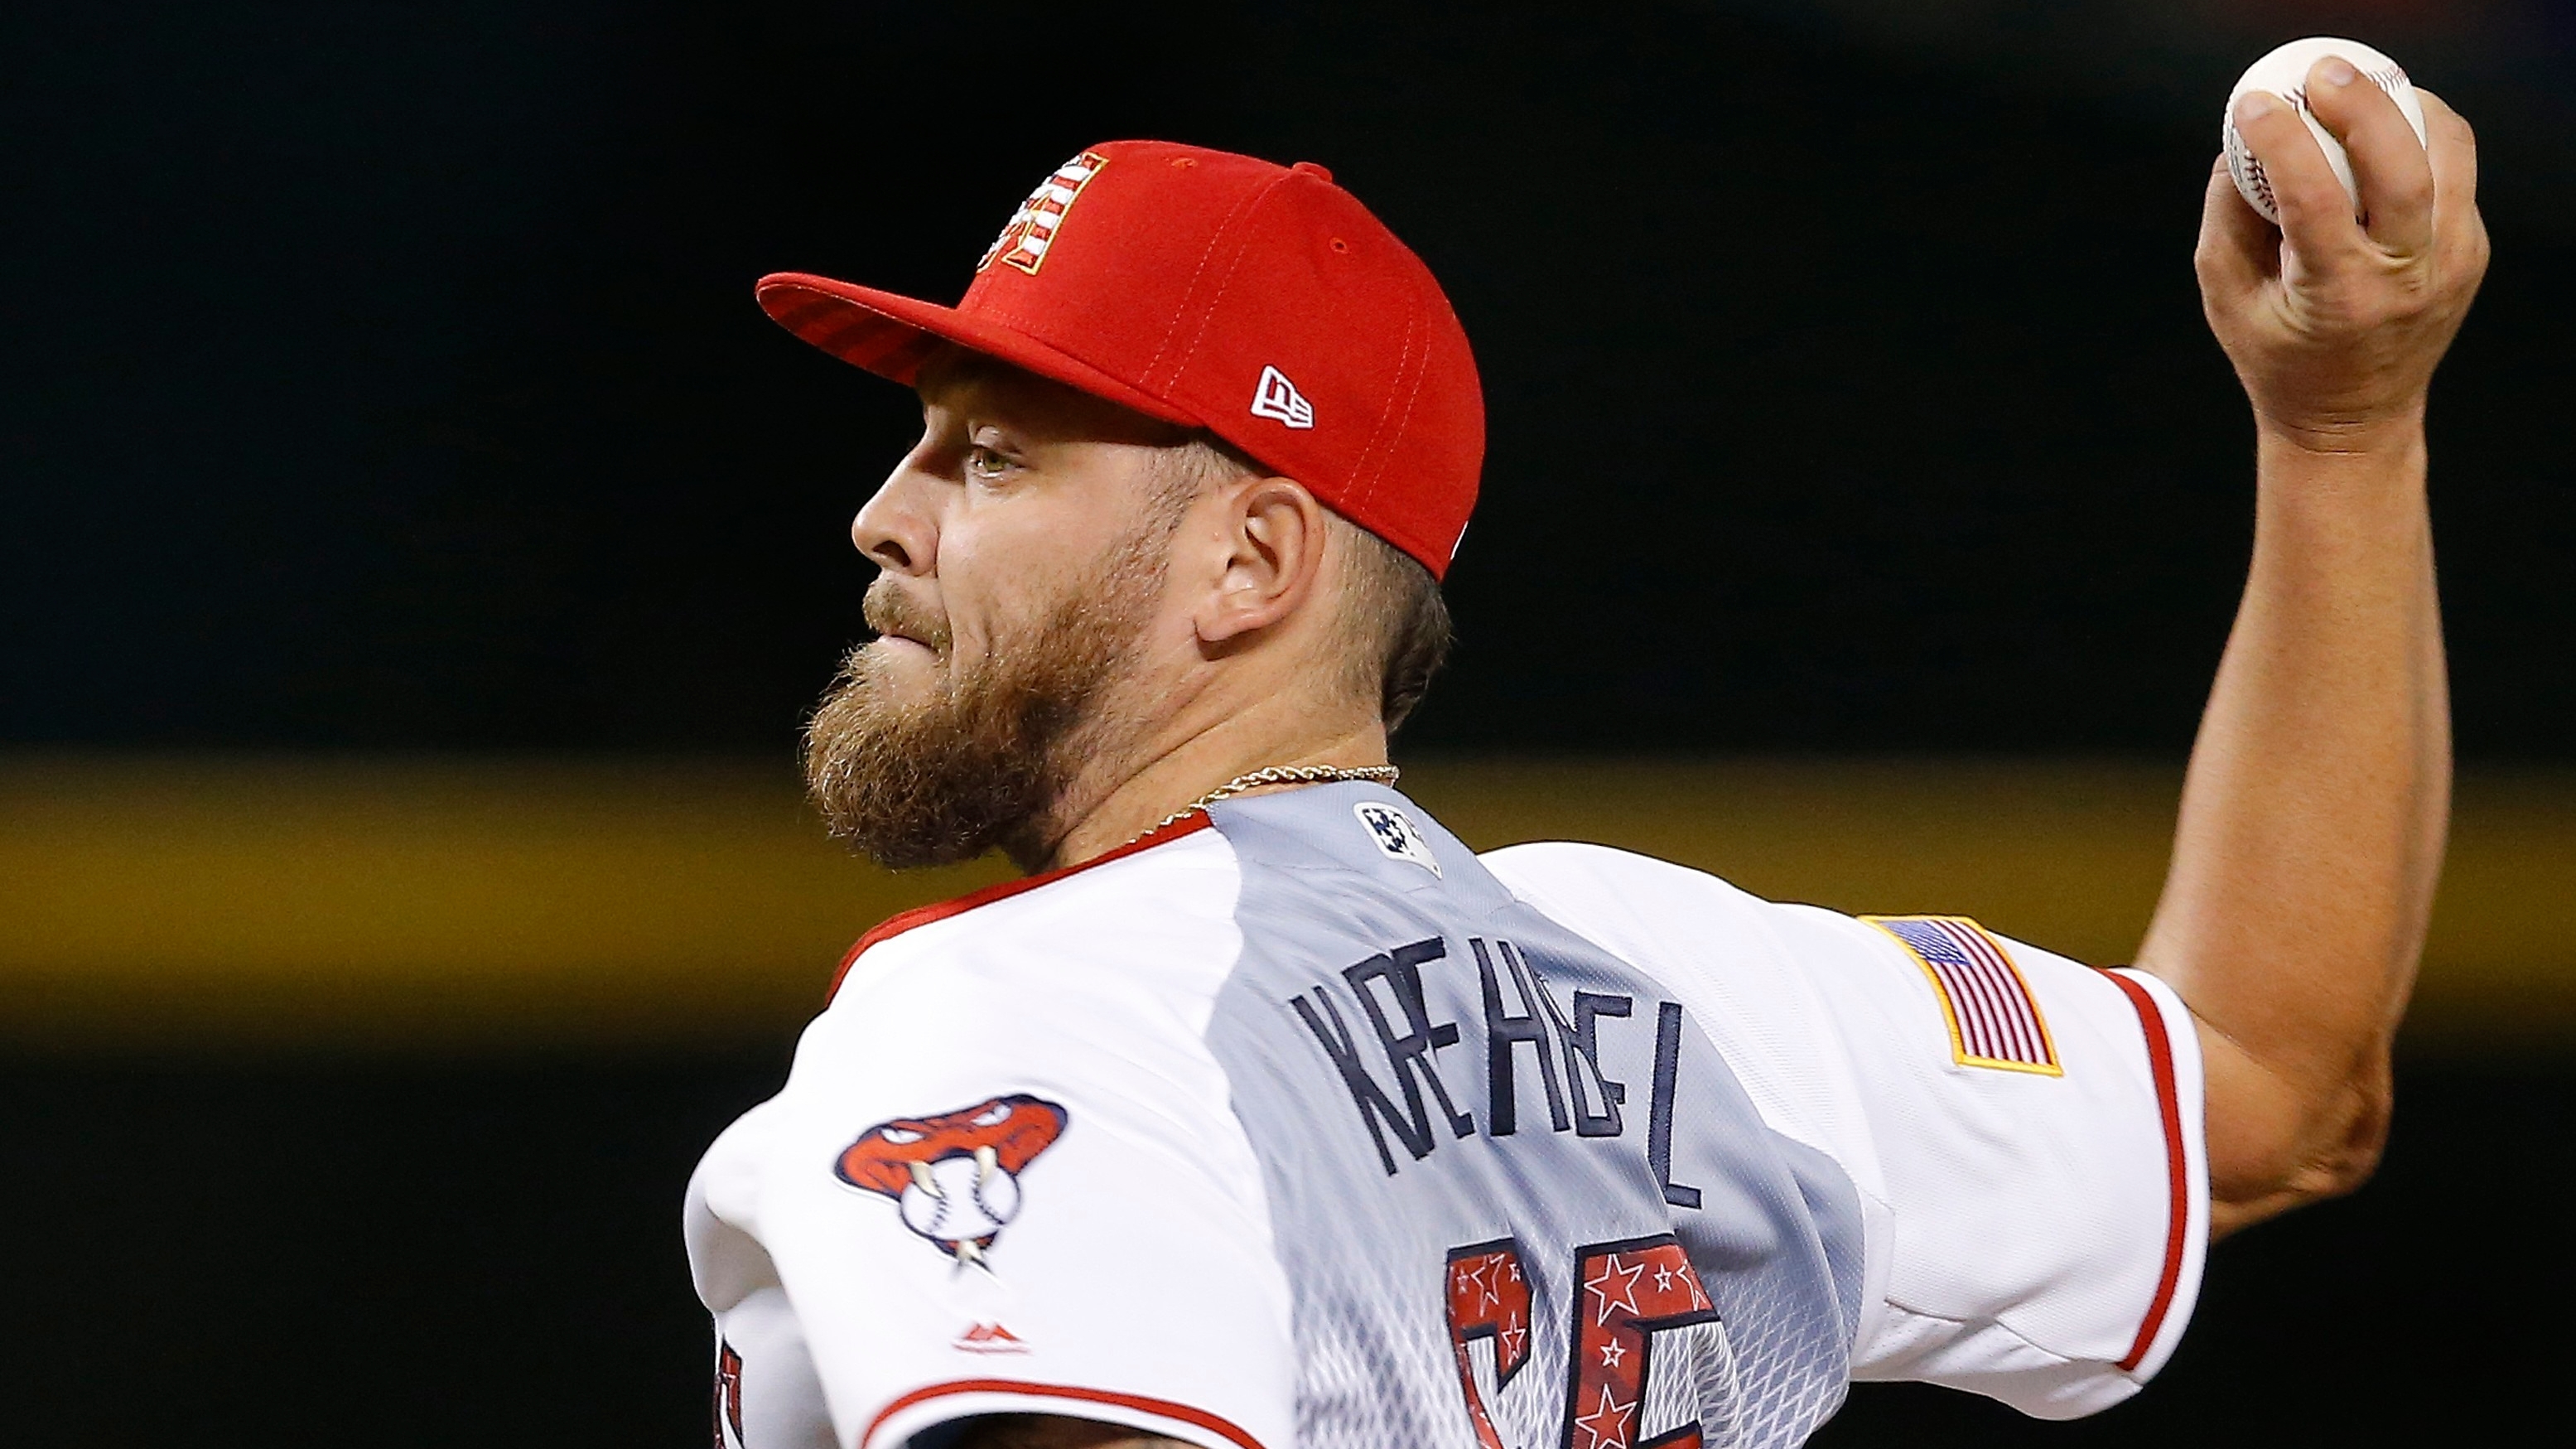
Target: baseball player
[{"x": 1263, "y": 1113}]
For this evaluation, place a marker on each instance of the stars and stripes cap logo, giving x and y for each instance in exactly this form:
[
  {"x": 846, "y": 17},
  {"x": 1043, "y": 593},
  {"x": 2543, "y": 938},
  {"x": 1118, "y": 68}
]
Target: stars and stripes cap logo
[
  {"x": 1994, "y": 1020},
  {"x": 1031, "y": 230}
]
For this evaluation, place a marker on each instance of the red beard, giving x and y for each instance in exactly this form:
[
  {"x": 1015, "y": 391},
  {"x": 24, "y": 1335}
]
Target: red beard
[{"x": 986, "y": 761}]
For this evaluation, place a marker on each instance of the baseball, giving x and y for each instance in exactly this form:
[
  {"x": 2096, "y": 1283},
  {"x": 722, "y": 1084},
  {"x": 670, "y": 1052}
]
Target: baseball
[
  {"x": 957, "y": 1200},
  {"x": 2285, "y": 74}
]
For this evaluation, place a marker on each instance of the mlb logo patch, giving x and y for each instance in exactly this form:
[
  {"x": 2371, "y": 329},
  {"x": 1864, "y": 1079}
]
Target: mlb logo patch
[
  {"x": 1024, "y": 242},
  {"x": 1395, "y": 834},
  {"x": 1994, "y": 1019}
]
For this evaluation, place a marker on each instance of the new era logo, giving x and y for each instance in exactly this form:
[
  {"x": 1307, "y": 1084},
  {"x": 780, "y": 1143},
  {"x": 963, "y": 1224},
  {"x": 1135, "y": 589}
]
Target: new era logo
[{"x": 1278, "y": 398}]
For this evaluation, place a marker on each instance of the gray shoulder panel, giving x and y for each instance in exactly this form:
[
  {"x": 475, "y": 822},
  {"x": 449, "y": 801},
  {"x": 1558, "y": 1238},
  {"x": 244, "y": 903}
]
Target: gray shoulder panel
[{"x": 1513, "y": 1186}]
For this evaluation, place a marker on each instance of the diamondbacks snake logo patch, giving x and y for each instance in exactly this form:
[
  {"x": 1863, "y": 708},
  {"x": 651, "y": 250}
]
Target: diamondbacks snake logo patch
[{"x": 955, "y": 1178}]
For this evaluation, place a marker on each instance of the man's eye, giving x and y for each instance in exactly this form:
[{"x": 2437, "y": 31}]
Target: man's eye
[{"x": 983, "y": 462}]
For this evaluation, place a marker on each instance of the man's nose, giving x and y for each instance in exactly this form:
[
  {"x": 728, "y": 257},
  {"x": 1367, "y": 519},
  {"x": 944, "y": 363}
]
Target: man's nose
[{"x": 896, "y": 529}]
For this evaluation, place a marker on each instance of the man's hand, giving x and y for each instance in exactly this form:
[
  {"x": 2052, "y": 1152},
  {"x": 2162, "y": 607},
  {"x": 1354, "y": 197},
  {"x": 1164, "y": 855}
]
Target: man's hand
[{"x": 2335, "y": 324}]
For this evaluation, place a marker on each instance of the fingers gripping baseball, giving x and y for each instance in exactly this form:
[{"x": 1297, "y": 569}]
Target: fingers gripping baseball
[
  {"x": 2392, "y": 168},
  {"x": 2335, "y": 323}
]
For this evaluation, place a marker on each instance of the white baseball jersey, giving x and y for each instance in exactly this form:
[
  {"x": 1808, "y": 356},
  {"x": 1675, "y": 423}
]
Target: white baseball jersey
[{"x": 1299, "y": 1125}]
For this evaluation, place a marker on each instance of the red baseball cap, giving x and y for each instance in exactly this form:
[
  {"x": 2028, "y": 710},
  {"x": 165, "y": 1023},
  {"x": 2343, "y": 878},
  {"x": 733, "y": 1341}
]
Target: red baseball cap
[{"x": 1260, "y": 302}]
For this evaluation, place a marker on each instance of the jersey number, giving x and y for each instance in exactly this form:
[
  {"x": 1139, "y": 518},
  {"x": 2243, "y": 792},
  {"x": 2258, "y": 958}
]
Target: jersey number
[{"x": 1623, "y": 1293}]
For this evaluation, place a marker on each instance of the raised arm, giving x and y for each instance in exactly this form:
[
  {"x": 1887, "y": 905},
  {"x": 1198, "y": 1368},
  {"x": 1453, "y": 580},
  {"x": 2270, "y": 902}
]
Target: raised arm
[{"x": 2314, "y": 812}]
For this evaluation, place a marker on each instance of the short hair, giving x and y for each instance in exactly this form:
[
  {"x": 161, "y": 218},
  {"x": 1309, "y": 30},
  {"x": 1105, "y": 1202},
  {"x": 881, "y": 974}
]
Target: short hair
[
  {"x": 1397, "y": 622},
  {"x": 1393, "y": 619}
]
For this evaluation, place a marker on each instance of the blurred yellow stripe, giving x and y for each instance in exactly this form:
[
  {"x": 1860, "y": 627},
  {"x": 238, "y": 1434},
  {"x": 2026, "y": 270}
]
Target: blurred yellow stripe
[
  {"x": 445, "y": 903},
  {"x": 434, "y": 902}
]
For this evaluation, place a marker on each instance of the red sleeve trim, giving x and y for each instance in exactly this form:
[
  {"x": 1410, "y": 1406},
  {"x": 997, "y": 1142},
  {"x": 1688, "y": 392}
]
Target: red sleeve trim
[
  {"x": 1160, "y": 1408},
  {"x": 2177, "y": 1166},
  {"x": 902, "y": 921}
]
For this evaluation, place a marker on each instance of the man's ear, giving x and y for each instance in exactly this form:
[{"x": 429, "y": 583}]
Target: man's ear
[{"x": 1273, "y": 535}]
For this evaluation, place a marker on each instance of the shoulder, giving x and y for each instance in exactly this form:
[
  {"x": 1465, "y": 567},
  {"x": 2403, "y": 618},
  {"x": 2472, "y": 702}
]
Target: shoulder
[
  {"x": 1568, "y": 867},
  {"x": 1009, "y": 1121},
  {"x": 1157, "y": 912},
  {"x": 1627, "y": 899},
  {"x": 1091, "y": 990},
  {"x": 1598, "y": 890},
  {"x": 1744, "y": 966},
  {"x": 1076, "y": 1006}
]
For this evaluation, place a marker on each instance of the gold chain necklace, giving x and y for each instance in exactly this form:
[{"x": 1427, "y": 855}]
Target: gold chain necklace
[{"x": 1277, "y": 775}]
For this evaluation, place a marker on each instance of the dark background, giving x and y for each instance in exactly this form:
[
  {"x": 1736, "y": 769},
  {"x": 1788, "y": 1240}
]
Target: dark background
[{"x": 388, "y": 377}]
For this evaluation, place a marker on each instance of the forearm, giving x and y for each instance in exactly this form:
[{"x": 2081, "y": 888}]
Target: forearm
[{"x": 2313, "y": 818}]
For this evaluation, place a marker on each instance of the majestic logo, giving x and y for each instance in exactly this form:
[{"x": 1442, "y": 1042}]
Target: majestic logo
[
  {"x": 1395, "y": 834},
  {"x": 1024, "y": 242},
  {"x": 956, "y": 1177},
  {"x": 1278, "y": 399},
  {"x": 988, "y": 1338}
]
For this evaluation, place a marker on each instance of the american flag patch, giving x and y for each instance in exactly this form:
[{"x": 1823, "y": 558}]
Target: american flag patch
[{"x": 1994, "y": 1020}]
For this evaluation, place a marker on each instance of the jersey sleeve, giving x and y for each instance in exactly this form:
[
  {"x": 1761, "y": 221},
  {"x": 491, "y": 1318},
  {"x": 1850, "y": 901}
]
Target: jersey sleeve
[
  {"x": 2037, "y": 1129},
  {"x": 2024, "y": 1131},
  {"x": 1042, "y": 1209}
]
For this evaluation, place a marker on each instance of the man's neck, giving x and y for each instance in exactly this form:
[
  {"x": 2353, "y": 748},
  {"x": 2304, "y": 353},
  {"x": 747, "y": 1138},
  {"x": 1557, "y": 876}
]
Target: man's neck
[{"x": 1176, "y": 777}]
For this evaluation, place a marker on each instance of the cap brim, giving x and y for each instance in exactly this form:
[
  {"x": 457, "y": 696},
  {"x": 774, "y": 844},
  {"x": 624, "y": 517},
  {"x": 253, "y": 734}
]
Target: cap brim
[{"x": 893, "y": 336}]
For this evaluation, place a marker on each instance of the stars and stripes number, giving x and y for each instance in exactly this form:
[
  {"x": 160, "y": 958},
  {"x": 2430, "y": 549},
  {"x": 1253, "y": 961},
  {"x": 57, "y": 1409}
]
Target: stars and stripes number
[{"x": 1623, "y": 1294}]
